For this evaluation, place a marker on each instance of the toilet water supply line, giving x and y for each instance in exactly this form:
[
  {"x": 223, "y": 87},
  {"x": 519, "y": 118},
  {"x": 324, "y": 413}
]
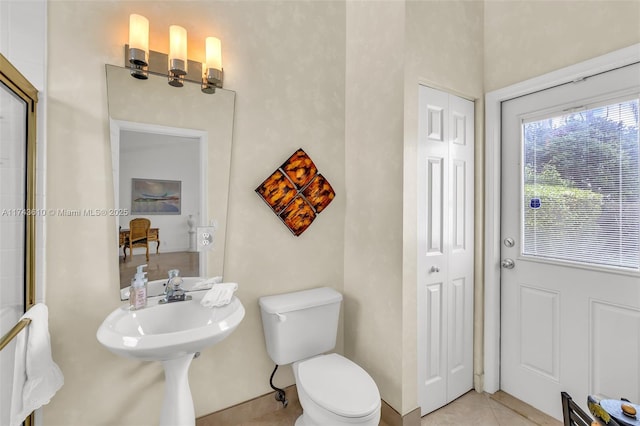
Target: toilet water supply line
[{"x": 280, "y": 394}]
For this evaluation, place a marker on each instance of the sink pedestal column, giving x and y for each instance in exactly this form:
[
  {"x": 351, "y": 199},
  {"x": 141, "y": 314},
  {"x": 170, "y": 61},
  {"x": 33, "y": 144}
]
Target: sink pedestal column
[{"x": 177, "y": 407}]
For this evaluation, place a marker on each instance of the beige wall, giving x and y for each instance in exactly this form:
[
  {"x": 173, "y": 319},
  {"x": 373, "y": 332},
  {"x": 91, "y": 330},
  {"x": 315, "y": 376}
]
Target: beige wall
[
  {"x": 444, "y": 45},
  {"x": 392, "y": 47},
  {"x": 373, "y": 222},
  {"x": 286, "y": 62},
  {"x": 525, "y": 39}
]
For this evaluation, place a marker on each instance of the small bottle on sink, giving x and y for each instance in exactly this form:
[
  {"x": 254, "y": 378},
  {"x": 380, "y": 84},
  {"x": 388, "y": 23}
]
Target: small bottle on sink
[{"x": 138, "y": 292}]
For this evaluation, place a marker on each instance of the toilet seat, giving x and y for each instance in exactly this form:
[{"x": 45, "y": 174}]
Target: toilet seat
[{"x": 339, "y": 386}]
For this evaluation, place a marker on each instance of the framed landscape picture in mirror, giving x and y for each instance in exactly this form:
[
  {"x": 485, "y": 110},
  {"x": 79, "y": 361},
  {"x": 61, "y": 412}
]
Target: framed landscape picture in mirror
[{"x": 154, "y": 196}]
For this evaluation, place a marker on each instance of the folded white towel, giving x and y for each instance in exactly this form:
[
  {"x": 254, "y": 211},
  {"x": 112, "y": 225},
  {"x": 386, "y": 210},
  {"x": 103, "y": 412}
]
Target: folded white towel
[
  {"x": 206, "y": 284},
  {"x": 219, "y": 295},
  {"x": 36, "y": 378}
]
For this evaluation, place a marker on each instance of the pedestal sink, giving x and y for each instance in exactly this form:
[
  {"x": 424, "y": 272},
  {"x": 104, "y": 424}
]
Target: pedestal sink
[{"x": 171, "y": 333}]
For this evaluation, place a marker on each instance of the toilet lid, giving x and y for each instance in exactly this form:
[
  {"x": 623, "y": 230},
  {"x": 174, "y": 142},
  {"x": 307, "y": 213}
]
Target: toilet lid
[{"x": 339, "y": 385}]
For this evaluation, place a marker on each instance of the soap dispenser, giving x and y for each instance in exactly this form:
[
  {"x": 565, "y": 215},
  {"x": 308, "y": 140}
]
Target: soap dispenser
[{"x": 138, "y": 293}]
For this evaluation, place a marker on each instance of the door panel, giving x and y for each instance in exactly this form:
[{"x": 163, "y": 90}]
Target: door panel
[
  {"x": 435, "y": 225},
  {"x": 445, "y": 248},
  {"x": 538, "y": 321},
  {"x": 606, "y": 316},
  {"x": 573, "y": 295},
  {"x": 460, "y": 242},
  {"x": 457, "y": 309},
  {"x": 433, "y": 362}
]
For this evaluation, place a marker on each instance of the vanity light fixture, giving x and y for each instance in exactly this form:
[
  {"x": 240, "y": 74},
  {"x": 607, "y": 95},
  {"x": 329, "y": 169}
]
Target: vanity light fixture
[
  {"x": 212, "y": 73},
  {"x": 139, "y": 46},
  {"x": 177, "y": 55},
  {"x": 143, "y": 61}
]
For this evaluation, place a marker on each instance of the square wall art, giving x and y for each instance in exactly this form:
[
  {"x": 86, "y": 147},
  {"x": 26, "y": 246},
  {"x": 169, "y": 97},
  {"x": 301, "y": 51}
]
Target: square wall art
[{"x": 296, "y": 192}]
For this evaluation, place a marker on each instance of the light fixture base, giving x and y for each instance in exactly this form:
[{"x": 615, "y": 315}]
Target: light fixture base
[
  {"x": 177, "y": 66},
  {"x": 177, "y": 71},
  {"x": 211, "y": 80},
  {"x": 207, "y": 88},
  {"x": 139, "y": 72},
  {"x": 138, "y": 62},
  {"x": 176, "y": 79},
  {"x": 138, "y": 57},
  {"x": 158, "y": 66},
  {"x": 214, "y": 76}
]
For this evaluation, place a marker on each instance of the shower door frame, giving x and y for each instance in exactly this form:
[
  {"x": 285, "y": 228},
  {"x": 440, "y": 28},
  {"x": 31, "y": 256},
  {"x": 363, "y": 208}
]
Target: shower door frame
[{"x": 21, "y": 87}]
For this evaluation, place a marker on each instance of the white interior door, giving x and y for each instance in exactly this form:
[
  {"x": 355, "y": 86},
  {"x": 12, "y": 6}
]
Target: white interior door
[
  {"x": 445, "y": 247},
  {"x": 570, "y": 282}
]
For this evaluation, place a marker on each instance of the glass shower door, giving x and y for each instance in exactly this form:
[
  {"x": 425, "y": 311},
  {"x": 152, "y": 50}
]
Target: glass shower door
[{"x": 17, "y": 218}]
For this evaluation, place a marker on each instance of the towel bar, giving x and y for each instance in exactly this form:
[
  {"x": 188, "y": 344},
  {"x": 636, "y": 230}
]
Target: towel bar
[{"x": 14, "y": 332}]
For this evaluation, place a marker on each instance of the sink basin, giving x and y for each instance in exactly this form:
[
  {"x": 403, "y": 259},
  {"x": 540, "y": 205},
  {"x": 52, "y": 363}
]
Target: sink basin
[
  {"x": 168, "y": 331},
  {"x": 171, "y": 333}
]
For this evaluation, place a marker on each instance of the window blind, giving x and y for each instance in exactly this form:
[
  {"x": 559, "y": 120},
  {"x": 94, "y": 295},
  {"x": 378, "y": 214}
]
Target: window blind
[{"x": 581, "y": 185}]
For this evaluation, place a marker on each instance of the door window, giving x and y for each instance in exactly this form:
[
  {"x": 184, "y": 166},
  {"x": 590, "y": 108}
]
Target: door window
[{"x": 581, "y": 185}]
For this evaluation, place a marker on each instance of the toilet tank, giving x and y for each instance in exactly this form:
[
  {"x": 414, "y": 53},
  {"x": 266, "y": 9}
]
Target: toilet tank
[{"x": 301, "y": 324}]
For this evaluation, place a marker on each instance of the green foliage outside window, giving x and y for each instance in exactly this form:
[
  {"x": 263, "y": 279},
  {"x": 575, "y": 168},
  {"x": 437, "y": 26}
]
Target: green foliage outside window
[
  {"x": 563, "y": 208},
  {"x": 584, "y": 168}
]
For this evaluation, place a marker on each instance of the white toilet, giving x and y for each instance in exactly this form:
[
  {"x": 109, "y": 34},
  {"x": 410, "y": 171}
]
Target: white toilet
[{"x": 299, "y": 328}]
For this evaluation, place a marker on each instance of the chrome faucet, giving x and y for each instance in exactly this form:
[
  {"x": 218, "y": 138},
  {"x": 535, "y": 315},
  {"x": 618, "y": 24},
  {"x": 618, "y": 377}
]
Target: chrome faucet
[{"x": 173, "y": 291}]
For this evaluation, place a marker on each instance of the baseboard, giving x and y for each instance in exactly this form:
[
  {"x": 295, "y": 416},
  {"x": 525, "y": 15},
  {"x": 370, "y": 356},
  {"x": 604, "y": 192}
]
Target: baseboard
[
  {"x": 390, "y": 417},
  {"x": 412, "y": 418},
  {"x": 248, "y": 410},
  {"x": 524, "y": 409}
]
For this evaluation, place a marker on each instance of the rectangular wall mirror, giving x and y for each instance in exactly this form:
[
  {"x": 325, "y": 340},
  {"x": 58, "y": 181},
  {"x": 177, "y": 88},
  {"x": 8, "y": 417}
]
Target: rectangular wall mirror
[{"x": 171, "y": 151}]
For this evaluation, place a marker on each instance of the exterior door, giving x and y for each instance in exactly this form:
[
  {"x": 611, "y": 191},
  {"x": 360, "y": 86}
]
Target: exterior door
[
  {"x": 445, "y": 247},
  {"x": 570, "y": 282}
]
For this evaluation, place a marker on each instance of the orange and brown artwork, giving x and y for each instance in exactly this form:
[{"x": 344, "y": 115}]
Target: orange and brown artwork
[
  {"x": 300, "y": 168},
  {"x": 296, "y": 192},
  {"x": 277, "y": 191},
  {"x": 298, "y": 215},
  {"x": 319, "y": 193}
]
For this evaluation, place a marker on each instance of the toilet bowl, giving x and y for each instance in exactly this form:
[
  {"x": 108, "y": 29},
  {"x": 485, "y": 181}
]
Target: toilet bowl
[{"x": 335, "y": 391}]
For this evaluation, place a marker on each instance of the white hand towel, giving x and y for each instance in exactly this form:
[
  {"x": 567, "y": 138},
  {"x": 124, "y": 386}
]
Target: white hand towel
[
  {"x": 36, "y": 377},
  {"x": 206, "y": 284},
  {"x": 219, "y": 295}
]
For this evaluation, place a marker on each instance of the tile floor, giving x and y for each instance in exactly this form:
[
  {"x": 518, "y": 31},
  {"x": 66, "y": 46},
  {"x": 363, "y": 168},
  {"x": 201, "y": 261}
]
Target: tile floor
[
  {"x": 482, "y": 409},
  {"x": 471, "y": 409}
]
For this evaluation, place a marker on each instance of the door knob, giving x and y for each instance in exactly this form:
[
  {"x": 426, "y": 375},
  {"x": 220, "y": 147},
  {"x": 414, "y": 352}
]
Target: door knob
[
  {"x": 434, "y": 269},
  {"x": 508, "y": 263}
]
